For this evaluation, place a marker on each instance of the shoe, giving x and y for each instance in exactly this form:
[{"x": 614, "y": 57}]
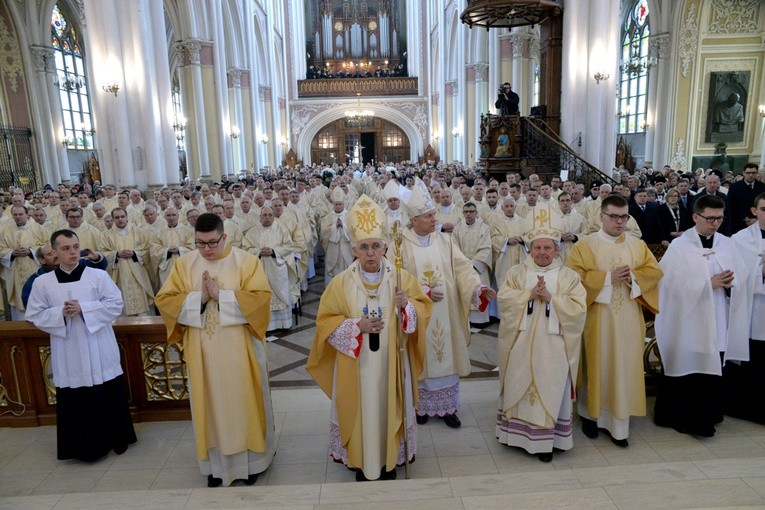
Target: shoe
[
  {"x": 214, "y": 482},
  {"x": 708, "y": 431},
  {"x": 621, "y": 443},
  {"x": 360, "y": 476},
  {"x": 119, "y": 450},
  {"x": 422, "y": 420},
  {"x": 251, "y": 479},
  {"x": 388, "y": 475},
  {"x": 545, "y": 457},
  {"x": 590, "y": 428},
  {"x": 452, "y": 421}
]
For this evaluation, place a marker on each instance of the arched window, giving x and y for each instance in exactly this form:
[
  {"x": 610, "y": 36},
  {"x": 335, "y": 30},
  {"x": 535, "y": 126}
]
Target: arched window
[
  {"x": 633, "y": 86},
  {"x": 72, "y": 82},
  {"x": 179, "y": 124}
]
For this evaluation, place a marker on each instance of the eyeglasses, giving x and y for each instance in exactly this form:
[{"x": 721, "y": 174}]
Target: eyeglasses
[
  {"x": 711, "y": 219},
  {"x": 209, "y": 244},
  {"x": 616, "y": 217}
]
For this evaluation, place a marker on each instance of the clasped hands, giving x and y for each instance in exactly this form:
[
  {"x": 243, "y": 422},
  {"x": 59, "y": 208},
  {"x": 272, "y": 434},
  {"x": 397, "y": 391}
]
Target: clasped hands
[
  {"x": 539, "y": 291},
  {"x": 21, "y": 252},
  {"x": 266, "y": 252},
  {"x": 71, "y": 308},
  {"x": 210, "y": 288},
  {"x": 369, "y": 324},
  {"x": 621, "y": 274},
  {"x": 723, "y": 280},
  {"x": 125, "y": 254}
]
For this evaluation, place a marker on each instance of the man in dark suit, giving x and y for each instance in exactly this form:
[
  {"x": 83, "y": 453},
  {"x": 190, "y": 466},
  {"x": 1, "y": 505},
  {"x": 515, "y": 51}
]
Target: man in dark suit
[
  {"x": 645, "y": 216},
  {"x": 712, "y": 187},
  {"x": 740, "y": 197}
]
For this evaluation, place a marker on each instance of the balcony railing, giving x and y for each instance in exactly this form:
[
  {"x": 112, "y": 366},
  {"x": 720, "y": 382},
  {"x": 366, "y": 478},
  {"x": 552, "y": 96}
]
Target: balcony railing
[{"x": 351, "y": 87}]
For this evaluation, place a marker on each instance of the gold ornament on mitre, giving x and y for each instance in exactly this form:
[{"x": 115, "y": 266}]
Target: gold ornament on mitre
[
  {"x": 542, "y": 222},
  {"x": 419, "y": 201},
  {"x": 337, "y": 195},
  {"x": 365, "y": 220}
]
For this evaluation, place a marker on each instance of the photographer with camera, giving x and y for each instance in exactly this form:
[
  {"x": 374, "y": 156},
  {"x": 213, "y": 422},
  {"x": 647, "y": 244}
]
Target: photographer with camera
[{"x": 507, "y": 101}]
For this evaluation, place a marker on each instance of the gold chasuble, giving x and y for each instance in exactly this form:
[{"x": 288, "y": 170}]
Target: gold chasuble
[
  {"x": 614, "y": 333},
  {"x": 370, "y": 414},
  {"x": 227, "y": 379}
]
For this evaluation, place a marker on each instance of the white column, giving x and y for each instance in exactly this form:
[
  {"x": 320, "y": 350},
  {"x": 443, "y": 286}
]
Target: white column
[
  {"x": 413, "y": 26},
  {"x": 219, "y": 71},
  {"x": 658, "y": 102},
  {"x": 237, "y": 118},
  {"x": 196, "y": 130},
  {"x": 46, "y": 112}
]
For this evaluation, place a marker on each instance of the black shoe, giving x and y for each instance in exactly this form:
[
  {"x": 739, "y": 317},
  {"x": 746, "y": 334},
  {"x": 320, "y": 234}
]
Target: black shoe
[
  {"x": 708, "y": 431},
  {"x": 621, "y": 443},
  {"x": 545, "y": 457},
  {"x": 452, "y": 421},
  {"x": 214, "y": 482},
  {"x": 251, "y": 479},
  {"x": 422, "y": 420},
  {"x": 360, "y": 476},
  {"x": 388, "y": 475},
  {"x": 590, "y": 428},
  {"x": 119, "y": 450}
]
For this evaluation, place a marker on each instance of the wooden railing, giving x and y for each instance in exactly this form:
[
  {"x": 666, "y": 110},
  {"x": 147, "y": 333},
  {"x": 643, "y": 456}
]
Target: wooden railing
[
  {"x": 351, "y": 87},
  {"x": 155, "y": 374}
]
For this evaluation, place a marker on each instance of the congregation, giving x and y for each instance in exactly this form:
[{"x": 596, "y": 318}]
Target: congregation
[{"x": 413, "y": 256}]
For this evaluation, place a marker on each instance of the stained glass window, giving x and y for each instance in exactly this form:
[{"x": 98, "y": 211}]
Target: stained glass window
[
  {"x": 635, "y": 64},
  {"x": 72, "y": 82}
]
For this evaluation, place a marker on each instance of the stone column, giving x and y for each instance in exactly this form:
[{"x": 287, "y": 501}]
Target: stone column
[
  {"x": 478, "y": 101},
  {"x": 237, "y": 119},
  {"x": 657, "y": 113},
  {"x": 53, "y": 153}
]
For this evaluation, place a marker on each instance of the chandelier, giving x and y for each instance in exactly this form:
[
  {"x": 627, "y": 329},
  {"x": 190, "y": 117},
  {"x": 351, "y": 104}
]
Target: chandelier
[
  {"x": 637, "y": 65},
  {"x": 509, "y": 13},
  {"x": 359, "y": 117}
]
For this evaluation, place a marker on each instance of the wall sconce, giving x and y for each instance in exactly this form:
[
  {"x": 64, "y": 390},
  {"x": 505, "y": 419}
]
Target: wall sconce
[
  {"x": 111, "y": 88},
  {"x": 643, "y": 125},
  {"x": 264, "y": 139},
  {"x": 762, "y": 110},
  {"x": 456, "y": 132},
  {"x": 436, "y": 136},
  {"x": 599, "y": 77},
  {"x": 283, "y": 142},
  {"x": 235, "y": 132}
]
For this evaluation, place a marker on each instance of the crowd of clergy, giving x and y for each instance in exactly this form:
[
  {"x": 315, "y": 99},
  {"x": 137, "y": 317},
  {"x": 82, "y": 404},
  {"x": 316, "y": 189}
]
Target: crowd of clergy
[{"x": 414, "y": 256}]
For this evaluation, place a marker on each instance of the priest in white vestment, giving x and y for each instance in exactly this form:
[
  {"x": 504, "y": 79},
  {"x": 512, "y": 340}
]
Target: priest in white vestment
[
  {"x": 215, "y": 303},
  {"x": 542, "y": 305},
  {"x": 335, "y": 238},
  {"x": 474, "y": 239},
  {"x": 272, "y": 244},
  {"x": 19, "y": 241},
  {"x": 573, "y": 224},
  {"x": 76, "y": 305},
  {"x": 706, "y": 280},
  {"x": 126, "y": 249},
  {"x": 448, "y": 278},
  {"x": 744, "y": 383},
  {"x": 355, "y": 357},
  {"x": 170, "y": 243}
]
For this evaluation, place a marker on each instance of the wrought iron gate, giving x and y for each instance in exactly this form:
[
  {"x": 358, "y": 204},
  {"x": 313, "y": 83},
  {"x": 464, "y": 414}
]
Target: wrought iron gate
[{"x": 17, "y": 166}]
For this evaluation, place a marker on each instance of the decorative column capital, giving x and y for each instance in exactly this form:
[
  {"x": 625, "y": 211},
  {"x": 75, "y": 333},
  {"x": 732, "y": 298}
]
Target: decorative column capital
[
  {"x": 477, "y": 72},
  {"x": 522, "y": 44},
  {"x": 264, "y": 93},
  {"x": 451, "y": 88},
  {"x": 195, "y": 51},
  {"x": 43, "y": 58},
  {"x": 234, "y": 77},
  {"x": 659, "y": 46}
]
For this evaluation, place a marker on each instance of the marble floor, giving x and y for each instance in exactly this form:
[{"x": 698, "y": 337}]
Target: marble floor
[
  {"x": 455, "y": 469},
  {"x": 465, "y": 468}
]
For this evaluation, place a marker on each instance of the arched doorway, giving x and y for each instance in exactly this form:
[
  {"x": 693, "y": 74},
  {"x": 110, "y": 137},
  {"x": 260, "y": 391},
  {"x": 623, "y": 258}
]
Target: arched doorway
[{"x": 370, "y": 140}]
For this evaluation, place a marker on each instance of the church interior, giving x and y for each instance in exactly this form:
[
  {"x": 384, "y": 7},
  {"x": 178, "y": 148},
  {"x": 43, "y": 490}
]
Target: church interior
[{"x": 150, "y": 94}]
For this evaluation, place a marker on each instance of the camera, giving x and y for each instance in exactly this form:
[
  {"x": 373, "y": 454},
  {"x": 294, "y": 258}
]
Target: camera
[{"x": 84, "y": 253}]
